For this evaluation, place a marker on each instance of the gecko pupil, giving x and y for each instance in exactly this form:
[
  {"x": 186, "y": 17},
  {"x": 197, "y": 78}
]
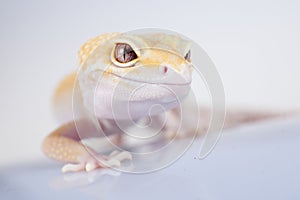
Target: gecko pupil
[
  {"x": 124, "y": 53},
  {"x": 188, "y": 56}
]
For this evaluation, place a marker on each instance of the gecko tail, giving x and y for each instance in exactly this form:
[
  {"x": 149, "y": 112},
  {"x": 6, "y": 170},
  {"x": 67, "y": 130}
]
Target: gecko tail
[{"x": 237, "y": 117}]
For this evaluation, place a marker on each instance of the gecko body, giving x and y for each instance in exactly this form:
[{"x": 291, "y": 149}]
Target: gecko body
[
  {"x": 121, "y": 78},
  {"x": 117, "y": 68}
]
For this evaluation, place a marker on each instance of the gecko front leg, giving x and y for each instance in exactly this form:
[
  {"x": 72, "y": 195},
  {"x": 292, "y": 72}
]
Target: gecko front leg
[{"x": 64, "y": 144}]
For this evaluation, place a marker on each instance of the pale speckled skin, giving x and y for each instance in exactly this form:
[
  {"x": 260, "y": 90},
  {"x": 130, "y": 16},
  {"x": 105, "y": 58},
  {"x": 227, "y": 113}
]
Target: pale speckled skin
[{"x": 155, "y": 52}]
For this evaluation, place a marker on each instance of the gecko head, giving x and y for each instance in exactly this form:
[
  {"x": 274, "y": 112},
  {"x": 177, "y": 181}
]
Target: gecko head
[{"x": 138, "y": 68}]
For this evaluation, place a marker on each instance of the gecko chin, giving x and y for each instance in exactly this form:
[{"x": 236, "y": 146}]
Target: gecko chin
[{"x": 133, "y": 99}]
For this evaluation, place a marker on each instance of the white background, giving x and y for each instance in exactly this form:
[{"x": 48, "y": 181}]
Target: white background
[{"x": 254, "y": 44}]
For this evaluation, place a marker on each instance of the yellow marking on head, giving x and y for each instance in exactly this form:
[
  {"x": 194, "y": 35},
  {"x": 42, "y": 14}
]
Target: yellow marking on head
[
  {"x": 88, "y": 47},
  {"x": 157, "y": 58}
]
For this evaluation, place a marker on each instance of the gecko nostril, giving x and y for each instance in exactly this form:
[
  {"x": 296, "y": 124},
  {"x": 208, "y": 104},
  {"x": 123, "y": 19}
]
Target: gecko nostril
[{"x": 165, "y": 69}]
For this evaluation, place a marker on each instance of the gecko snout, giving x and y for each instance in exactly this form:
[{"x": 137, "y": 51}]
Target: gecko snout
[{"x": 172, "y": 75}]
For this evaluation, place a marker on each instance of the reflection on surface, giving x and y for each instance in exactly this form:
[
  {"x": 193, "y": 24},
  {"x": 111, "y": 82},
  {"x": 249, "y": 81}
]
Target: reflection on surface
[{"x": 247, "y": 160}]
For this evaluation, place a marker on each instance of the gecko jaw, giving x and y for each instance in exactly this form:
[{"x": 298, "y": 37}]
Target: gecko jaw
[{"x": 147, "y": 82}]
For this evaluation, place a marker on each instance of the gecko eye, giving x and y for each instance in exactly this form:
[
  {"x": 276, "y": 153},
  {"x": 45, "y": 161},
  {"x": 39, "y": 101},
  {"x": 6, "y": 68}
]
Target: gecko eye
[
  {"x": 124, "y": 53},
  {"x": 187, "y": 56}
]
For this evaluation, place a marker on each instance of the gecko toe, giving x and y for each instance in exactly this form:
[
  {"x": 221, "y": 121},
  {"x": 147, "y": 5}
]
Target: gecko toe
[{"x": 72, "y": 168}]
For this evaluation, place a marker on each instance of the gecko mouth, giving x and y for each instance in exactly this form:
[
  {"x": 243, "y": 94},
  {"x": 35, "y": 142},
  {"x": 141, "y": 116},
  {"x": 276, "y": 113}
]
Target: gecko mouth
[
  {"x": 185, "y": 83},
  {"x": 140, "y": 95}
]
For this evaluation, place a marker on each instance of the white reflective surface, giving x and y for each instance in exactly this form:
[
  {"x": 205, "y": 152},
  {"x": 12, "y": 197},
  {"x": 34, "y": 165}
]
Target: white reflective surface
[{"x": 252, "y": 162}]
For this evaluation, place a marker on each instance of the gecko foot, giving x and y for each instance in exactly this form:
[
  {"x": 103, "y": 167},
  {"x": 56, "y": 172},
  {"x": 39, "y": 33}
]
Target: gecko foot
[{"x": 91, "y": 163}]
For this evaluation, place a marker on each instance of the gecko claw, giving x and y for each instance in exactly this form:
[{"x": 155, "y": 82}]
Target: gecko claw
[
  {"x": 125, "y": 155},
  {"x": 90, "y": 166}
]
